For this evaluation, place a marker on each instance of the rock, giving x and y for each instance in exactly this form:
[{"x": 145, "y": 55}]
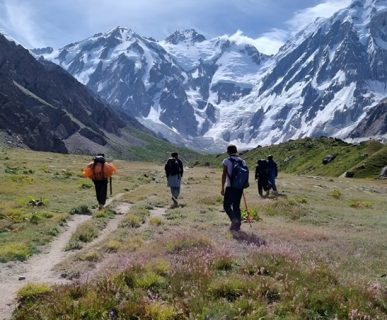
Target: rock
[
  {"x": 329, "y": 158},
  {"x": 349, "y": 174}
]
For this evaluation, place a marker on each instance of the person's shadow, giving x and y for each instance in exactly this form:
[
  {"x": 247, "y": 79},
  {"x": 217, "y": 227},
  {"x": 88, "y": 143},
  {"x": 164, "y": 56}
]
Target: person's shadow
[{"x": 248, "y": 238}]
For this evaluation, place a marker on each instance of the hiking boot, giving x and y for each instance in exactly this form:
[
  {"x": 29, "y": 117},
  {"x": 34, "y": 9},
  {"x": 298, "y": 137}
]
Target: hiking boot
[
  {"x": 275, "y": 193},
  {"x": 175, "y": 201},
  {"x": 235, "y": 225},
  {"x": 100, "y": 206}
]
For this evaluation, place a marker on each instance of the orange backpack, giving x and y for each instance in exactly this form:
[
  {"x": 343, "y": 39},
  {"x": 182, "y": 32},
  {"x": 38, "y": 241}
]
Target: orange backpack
[{"x": 99, "y": 169}]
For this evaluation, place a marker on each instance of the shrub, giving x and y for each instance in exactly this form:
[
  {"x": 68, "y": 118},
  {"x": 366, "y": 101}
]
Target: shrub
[
  {"x": 105, "y": 213},
  {"x": 33, "y": 290},
  {"x": 35, "y": 218},
  {"x": 132, "y": 221},
  {"x": 230, "y": 289},
  {"x": 148, "y": 279},
  {"x": 335, "y": 194},
  {"x": 81, "y": 210},
  {"x": 160, "y": 266},
  {"x": 91, "y": 256},
  {"x": 250, "y": 215},
  {"x": 112, "y": 245},
  {"x": 86, "y": 232},
  {"x": 13, "y": 251},
  {"x": 86, "y": 185},
  {"x": 156, "y": 221},
  {"x": 360, "y": 204},
  {"x": 158, "y": 311},
  {"x": 224, "y": 263},
  {"x": 53, "y": 231},
  {"x": 173, "y": 215}
]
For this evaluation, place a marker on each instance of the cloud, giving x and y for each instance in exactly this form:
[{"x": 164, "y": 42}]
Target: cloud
[
  {"x": 40, "y": 22},
  {"x": 323, "y": 10},
  {"x": 19, "y": 20},
  {"x": 271, "y": 41}
]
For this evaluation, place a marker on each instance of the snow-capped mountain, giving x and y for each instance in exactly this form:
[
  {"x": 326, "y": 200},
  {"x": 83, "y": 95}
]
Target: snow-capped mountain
[
  {"x": 325, "y": 80},
  {"x": 210, "y": 92},
  {"x": 169, "y": 92}
]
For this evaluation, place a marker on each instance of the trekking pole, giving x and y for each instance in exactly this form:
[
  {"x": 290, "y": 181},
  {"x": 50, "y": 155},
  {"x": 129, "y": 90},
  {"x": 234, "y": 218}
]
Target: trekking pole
[
  {"x": 111, "y": 187},
  {"x": 247, "y": 210}
]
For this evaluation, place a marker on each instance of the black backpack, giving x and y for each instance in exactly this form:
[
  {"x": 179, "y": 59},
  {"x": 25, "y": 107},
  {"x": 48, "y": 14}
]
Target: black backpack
[
  {"x": 173, "y": 167},
  {"x": 239, "y": 178},
  {"x": 99, "y": 159},
  {"x": 99, "y": 175},
  {"x": 263, "y": 168}
]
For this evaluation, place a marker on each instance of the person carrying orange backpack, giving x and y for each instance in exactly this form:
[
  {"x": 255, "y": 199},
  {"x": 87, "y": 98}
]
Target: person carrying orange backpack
[{"x": 99, "y": 171}]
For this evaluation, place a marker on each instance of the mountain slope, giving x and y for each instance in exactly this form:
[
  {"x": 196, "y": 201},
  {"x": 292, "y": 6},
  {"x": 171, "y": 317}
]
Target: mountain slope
[{"x": 44, "y": 108}]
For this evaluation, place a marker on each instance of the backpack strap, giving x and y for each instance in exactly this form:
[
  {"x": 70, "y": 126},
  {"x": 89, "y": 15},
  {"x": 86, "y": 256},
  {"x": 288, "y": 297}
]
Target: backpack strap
[{"x": 233, "y": 161}]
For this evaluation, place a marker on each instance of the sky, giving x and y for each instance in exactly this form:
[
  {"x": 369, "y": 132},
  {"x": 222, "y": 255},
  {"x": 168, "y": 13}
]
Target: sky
[{"x": 56, "y": 23}]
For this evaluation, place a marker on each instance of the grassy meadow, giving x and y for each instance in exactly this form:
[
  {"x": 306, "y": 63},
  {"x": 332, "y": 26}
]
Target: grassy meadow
[{"x": 318, "y": 251}]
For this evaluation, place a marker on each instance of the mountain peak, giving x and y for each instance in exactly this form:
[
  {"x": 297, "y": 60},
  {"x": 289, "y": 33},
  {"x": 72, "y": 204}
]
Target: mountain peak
[
  {"x": 120, "y": 32},
  {"x": 187, "y": 35}
]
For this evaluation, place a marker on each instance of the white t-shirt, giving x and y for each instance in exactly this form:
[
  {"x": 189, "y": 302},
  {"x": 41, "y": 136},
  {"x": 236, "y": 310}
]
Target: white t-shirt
[{"x": 227, "y": 162}]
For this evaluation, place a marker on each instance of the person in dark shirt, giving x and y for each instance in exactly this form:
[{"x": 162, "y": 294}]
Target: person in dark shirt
[
  {"x": 273, "y": 172},
  {"x": 262, "y": 177},
  {"x": 174, "y": 172}
]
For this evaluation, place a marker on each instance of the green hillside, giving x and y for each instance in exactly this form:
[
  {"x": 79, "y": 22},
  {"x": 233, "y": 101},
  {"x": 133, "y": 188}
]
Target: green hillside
[
  {"x": 304, "y": 156},
  {"x": 147, "y": 147}
]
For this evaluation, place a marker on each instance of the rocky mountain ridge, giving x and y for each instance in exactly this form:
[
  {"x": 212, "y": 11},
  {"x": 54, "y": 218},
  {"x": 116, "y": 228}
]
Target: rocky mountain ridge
[
  {"x": 206, "y": 93},
  {"x": 44, "y": 108}
]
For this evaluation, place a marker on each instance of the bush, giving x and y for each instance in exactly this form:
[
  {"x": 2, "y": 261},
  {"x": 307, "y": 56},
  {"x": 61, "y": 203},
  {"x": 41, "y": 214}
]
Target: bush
[
  {"x": 230, "y": 289},
  {"x": 86, "y": 232},
  {"x": 158, "y": 311},
  {"x": 33, "y": 290},
  {"x": 112, "y": 245},
  {"x": 13, "y": 251},
  {"x": 156, "y": 221},
  {"x": 250, "y": 215},
  {"x": 81, "y": 210},
  {"x": 132, "y": 221},
  {"x": 360, "y": 204},
  {"x": 91, "y": 256},
  {"x": 335, "y": 194}
]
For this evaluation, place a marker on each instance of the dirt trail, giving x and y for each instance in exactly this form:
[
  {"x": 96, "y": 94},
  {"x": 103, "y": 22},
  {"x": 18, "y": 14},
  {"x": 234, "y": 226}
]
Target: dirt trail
[
  {"x": 36, "y": 269},
  {"x": 107, "y": 263},
  {"x": 39, "y": 268},
  {"x": 113, "y": 224}
]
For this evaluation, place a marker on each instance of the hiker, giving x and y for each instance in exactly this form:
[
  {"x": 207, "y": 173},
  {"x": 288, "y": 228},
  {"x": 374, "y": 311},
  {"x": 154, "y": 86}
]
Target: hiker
[
  {"x": 99, "y": 171},
  {"x": 233, "y": 192},
  {"x": 262, "y": 177},
  {"x": 273, "y": 172},
  {"x": 174, "y": 172}
]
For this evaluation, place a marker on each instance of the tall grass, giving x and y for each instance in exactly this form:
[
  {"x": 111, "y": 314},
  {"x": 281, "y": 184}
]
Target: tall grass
[{"x": 193, "y": 287}]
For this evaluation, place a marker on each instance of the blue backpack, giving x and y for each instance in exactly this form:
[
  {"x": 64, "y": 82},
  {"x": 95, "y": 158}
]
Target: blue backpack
[{"x": 239, "y": 178}]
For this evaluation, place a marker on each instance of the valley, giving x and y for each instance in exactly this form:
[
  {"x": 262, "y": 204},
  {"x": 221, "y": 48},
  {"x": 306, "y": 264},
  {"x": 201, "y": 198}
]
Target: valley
[{"x": 318, "y": 249}]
